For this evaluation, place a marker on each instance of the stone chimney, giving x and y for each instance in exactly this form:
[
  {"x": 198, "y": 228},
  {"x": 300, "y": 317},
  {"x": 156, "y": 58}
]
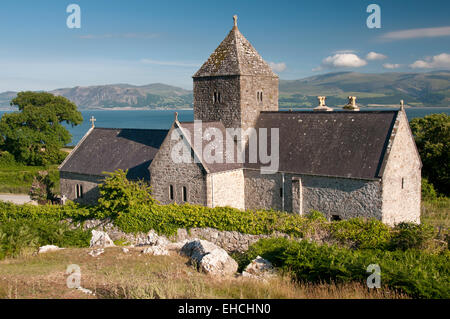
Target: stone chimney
[
  {"x": 322, "y": 106},
  {"x": 351, "y": 104}
]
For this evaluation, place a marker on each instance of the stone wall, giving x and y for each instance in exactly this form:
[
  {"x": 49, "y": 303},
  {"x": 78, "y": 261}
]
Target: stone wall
[
  {"x": 343, "y": 197},
  {"x": 164, "y": 172},
  {"x": 231, "y": 241},
  {"x": 69, "y": 182},
  {"x": 239, "y": 106},
  {"x": 250, "y": 107},
  {"x": 228, "y": 189},
  {"x": 402, "y": 177},
  {"x": 228, "y": 109}
]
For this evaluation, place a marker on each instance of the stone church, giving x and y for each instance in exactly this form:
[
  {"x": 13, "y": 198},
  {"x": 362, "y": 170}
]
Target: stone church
[{"x": 345, "y": 163}]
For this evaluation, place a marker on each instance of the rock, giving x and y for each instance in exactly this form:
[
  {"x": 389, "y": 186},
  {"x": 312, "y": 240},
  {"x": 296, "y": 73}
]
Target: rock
[
  {"x": 47, "y": 248},
  {"x": 125, "y": 250},
  {"x": 86, "y": 291},
  {"x": 153, "y": 239},
  {"x": 96, "y": 252},
  {"x": 100, "y": 239},
  {"x": 156, "y": 250},
  {"x": 259, "y": 268},
  {"x": 210, "y": 258},
  {"x": 176, "y": 246}
]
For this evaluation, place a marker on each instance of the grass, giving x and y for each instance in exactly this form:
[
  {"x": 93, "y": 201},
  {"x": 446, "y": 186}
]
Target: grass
[
  {"x": 118, "y": 275},
  {"x": 436, "y": 213},
  {"x": 17, "y": 179}
]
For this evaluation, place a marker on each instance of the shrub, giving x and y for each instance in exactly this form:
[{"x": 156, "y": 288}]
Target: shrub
[
  {"x": 414, "y": 272},
  {"x": 7, "y": 159},
  {"x": 19, "y": 234},
  {"x": 410, "y": 235},
  {"x": 428, "y": 191},
  {"x": 120, "y": 195},
  {"x": 361, "y": 233},
  {"x": 316, "y": 215}
]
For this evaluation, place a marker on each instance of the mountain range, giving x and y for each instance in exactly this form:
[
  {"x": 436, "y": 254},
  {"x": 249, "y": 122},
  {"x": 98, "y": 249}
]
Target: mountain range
[{"x": 371, "y": 89}]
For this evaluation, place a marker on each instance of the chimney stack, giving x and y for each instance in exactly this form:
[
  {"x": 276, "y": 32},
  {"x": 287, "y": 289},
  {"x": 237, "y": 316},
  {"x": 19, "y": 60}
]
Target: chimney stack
[
  {"x": 322, "y": 106},
  {"x": 351, "y": 104}
]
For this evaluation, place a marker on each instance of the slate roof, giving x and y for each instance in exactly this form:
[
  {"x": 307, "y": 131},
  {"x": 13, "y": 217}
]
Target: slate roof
[
  {"x": 339, "y": 143},
  {"x": 213, "y": 167},
  {"x": 109, "y": 149},
  {"x": 235, "y": 56}
]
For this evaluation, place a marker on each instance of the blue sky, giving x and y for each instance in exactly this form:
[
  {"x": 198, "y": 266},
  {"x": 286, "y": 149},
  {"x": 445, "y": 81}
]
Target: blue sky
[{"x": 141, "y": 42}]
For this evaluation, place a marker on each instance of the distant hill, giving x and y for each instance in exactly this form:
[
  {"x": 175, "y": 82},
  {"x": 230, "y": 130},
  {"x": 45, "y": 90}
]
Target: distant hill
[
  {"x": 152, "y": 96},
  {"x": 371, "y": 89},
  {"x": 416, "y": 89}
]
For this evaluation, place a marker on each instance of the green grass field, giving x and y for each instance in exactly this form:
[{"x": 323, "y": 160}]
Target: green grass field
[{"x": 17, "y": 178}]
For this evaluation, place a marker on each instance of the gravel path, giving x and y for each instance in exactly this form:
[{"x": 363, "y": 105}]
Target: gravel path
[{"x": 16, "y": 198}]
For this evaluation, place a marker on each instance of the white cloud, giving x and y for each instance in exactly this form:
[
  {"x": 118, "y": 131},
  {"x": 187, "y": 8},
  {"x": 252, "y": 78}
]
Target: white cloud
[
  {"x": 391, "y": 66},
  {"x": 371, "y": 56},
  {"x": 417, "y": 33},
  {"x": 341, "y": 60},
  {"x": 169, "y": 63},
  {"x": 277, "y": 67},
  {"x": 438, "y": 61}
]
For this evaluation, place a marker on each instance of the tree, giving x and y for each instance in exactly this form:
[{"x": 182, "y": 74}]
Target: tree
[
  {"x": 432, "y": 136},
  {"x": 34, "y": 134},
  {"x": 119, "y": 195},
  {"x": 42, "y": 188}
]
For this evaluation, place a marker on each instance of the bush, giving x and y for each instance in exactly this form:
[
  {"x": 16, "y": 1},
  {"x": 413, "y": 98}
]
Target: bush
[
  {"x": 119, "y": 195},
  {"x": 362, "y": 233},
  {"x": 7, "y": 159},
  {"x": 428, "y": 191},
  {"x": 410, "y": 235},
  {"x": 414, "y": 272},
  {"x": 18, "y": 235}
]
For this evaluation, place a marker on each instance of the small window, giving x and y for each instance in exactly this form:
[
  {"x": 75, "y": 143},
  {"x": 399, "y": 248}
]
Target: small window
[
  {"x": 259, "y": 96},
  {"x": 219, "y": 97},
  {"x": 184, "y": 194},
  {"x": 281, "y": 191},
  {"x": 403, "y": 183},
  {"x": 215, "y": 97},
  {"x": 171, "y": 192},
  {"x": 335, "y": 218},
  {"x": 79, "y": 191}
]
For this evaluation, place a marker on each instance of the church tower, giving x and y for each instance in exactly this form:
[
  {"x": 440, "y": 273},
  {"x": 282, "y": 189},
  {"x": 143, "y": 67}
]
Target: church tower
[{"x": 235, "y": 84}]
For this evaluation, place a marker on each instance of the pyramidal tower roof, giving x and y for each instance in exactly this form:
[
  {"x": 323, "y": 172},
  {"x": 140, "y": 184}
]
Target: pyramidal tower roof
[{"x": 235, "y": 56}]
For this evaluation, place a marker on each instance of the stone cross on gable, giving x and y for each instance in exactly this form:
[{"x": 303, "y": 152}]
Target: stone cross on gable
[{"x": 92, "y": 120}]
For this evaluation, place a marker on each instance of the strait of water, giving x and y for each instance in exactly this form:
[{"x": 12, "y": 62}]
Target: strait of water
[{"x": 162, "y": 119}]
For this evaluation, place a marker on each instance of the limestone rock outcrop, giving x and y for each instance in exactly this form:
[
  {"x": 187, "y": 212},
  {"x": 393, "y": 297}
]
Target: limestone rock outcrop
[
  {"x": 209, "y": 258},
  {"x": 100, "y": 239}
]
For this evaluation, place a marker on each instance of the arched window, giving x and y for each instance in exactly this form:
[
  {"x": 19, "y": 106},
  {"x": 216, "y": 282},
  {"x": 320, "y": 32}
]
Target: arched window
[
  {"x": 215, "y": 97},
  {"x": 219, "y": 97},
  {"x": 171, "y": 192},
  {"x": 79, "y": 191},
  {"x": 184, "y": 193}
]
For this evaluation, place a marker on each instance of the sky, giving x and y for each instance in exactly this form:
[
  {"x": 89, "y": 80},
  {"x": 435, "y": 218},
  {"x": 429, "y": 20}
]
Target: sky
[{"x": 142, "y": 42}]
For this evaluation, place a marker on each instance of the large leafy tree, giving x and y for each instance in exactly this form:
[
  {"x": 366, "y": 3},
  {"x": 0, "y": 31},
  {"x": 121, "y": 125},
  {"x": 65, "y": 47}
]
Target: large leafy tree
[
  {"x": 432, "y": 135},
  {"x": 34, "y": 134}
]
